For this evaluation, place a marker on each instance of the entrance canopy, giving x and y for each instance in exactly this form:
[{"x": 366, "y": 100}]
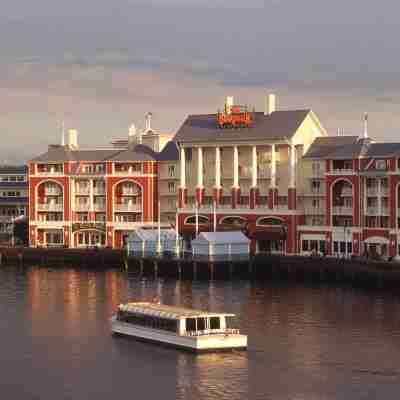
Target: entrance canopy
[{"x": 376, "y": 240}]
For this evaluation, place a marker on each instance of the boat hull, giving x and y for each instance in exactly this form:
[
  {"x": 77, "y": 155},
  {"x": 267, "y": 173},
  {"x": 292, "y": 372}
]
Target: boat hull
[{"x": 196, "y": 344}]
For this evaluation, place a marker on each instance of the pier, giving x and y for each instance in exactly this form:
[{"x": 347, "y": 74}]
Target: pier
[{"x": 327, "y": 270}]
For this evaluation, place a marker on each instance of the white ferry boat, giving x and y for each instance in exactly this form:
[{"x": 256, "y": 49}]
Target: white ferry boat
[{"x": 193, "y": 330}]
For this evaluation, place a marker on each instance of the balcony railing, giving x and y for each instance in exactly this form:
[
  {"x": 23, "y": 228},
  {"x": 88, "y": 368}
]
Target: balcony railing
[
  {"x": 99, "y": 207},
  {"x": 99, "y": 191},
  {"x": 50, "y": 173},
  {"x": 344, "y": 171},
  {"x": 373, "y": 211},
  {"x": 50, "y": 191},
  {"x": 131, "y": 172},
  {"x": 348, "y": 192},
  {"x": 128, "y": 208},
  {"x": 50, "y": 207},
  {"x": 82, "y": 190},
  {"x": 82, "y": 207},
  {"x": 130, "y": 192},
  {"x": 342, "y": 210},
  {"x": 314, "y": 210}
]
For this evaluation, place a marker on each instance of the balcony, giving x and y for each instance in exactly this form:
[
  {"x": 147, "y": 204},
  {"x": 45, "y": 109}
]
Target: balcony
[
  {"x": 52, "y": 191},
  {"x": 129, "y": 172},
  {"x": 82, "y": 190},
  {"x": 50, "y": 207},
  {"x": 128, "y": 208},
  {"x": 130, "y": 192},
  {"x": 347, "y": 192},
  {"x": 342, "y": 210},
  {"x": 99, "y": 207},
  {"x": 374, "y": 211},
  {"x": 82, "y": 207},
  {"x": 50, "y": 172},
  {"x": 343, "y": 171},
  {"x": 314, "y": 210},
  {"x": 99, "y": 191},
  {"x": 372, "y": 191}
]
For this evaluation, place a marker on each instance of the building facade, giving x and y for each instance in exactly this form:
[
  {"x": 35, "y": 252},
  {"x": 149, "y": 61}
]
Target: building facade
[
  {"x": 242, "y": 170},
  {"x": 82, "y": 198},
  {"x": 13, "y": 198}
]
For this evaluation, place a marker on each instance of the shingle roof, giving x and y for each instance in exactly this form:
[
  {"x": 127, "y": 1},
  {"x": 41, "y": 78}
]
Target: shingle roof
[
  {"x": 169, "y": 153},
  {"x": 278, "y": 125},
  {"x": 62, "y": 154},
  {"x": 13, "y": 169},
  {"x": 324, "y": 146},
  {"x": 349, "y": 147}
]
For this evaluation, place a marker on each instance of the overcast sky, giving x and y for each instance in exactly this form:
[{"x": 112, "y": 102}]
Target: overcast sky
[{"x": 101, "y": 66}]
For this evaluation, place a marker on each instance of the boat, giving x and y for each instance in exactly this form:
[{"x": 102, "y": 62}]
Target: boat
[{"x": 185, "y": 328}]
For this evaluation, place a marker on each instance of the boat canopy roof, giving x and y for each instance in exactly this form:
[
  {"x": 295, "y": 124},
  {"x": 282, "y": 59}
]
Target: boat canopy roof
[{"x": 169, "y": 312}]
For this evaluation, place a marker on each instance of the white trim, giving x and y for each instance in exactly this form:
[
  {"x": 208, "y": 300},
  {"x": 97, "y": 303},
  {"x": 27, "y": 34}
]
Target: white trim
[{"x": 377, "y": 240}]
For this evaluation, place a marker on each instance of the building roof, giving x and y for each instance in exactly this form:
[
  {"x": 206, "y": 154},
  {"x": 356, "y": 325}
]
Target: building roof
[
  {"x": 165, "y": 311},
  {"x": 350, "y": 147},
  {"x": 13, "y": 169},
  {"x": 169, "y": 153},
  {"x": 277, "y": 125},
  {"x": 151, "y": 235},
  {"x": 57, "y": 153},
  {"x": 230, "y": 237},
  {"x": 325, "y": 145}
]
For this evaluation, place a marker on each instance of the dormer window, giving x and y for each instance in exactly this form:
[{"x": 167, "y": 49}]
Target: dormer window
[{"x": 381, "y": 165}]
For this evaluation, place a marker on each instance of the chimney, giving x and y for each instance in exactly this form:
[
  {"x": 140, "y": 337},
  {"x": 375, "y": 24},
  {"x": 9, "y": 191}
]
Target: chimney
[
  {"x": 228, "y": 104},
  {"x": 148, "y": 122},
  {"x": 270, "y": 104},
  {"x": 72, "y": 139}
]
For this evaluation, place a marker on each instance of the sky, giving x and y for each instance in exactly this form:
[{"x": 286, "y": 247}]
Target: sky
[{"x": 101, "y": 65}]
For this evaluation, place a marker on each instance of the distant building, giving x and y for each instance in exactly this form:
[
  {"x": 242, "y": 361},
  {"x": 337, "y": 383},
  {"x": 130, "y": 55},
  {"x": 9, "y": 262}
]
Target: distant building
[{"x": 13, "y": 198}]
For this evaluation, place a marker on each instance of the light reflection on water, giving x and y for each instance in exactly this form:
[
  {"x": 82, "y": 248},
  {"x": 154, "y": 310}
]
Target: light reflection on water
[{"x": 304, "y": 342}]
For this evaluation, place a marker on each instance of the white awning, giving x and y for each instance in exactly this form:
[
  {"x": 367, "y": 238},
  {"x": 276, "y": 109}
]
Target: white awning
[{"x": 377, "y": 240}]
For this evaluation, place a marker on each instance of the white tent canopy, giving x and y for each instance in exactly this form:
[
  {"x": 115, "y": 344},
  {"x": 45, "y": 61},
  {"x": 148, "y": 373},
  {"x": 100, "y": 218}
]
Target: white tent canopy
[
  {"x": 221, "y": 243},
  {"x": 146, "y": 241}
]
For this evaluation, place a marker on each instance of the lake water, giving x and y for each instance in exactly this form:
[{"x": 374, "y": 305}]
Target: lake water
[{"x": 304, "y": 342}]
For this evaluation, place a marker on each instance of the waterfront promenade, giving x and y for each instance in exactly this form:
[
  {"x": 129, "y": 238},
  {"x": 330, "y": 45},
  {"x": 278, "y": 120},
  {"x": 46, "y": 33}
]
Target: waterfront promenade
[{"x": 355, "y": 272}]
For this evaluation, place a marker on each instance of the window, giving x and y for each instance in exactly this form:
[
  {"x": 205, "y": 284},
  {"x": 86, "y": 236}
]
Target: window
[
  {"x": 342, "y": 247},
  {"x": 380, "y": 164},
  {"x": 305, "y": 245},
  {"x": 316, "y": 168},
  {"x": 349, "y": 247},
  {"x": 335, "y": 247},
  {"x": 171, "y": 187},
  {"x": 215, "y": 323},
  {"x": 171, "y": 171},
  {"x": 188, "y": 154}
]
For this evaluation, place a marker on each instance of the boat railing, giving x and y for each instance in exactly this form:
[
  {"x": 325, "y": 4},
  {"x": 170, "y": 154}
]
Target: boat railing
[{"x": 227, "y": 331}]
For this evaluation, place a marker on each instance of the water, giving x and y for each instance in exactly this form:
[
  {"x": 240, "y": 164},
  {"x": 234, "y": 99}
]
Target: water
[{"x": 304, "y": 342}]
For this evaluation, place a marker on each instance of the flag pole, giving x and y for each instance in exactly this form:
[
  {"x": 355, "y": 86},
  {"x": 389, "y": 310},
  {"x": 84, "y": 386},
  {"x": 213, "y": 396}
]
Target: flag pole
[
  {"x": 159, "y": 230},
  {"x": 215, "y": 215},
  {"x": 197, "y": 218}
]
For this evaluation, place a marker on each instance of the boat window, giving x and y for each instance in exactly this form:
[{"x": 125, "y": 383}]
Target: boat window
[
  {"x": 148, "y": 321},
  {"x": 214, "y": 323},
  {"x": 190, "y": 324},
  {"x": 230, "y": 322},
  {"x": 201, "y": 324}
]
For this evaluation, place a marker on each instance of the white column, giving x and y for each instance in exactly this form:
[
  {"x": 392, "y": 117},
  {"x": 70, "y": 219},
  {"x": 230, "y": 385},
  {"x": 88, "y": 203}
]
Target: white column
[
  {"x": 379, "y": 197},
  {"x": 91, "y": 205},
  {"x": 292, "y": 167},
  {"x": 200, "y": 167},
  {"x": 235, "y": 167},
  {"x": 217, "y": 167},
  {"x": 183, "y": 169},
  {"x": 273, "y": 167},
  {"x": 254, "y": 167}
]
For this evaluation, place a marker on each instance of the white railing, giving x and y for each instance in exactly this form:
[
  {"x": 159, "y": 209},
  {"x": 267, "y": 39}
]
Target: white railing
[
  {"x": 314, "y": 210},
  {"x": 82, "y": 190},
  {"x": 129, "y": 173},
  {"x": 99, "y": 191},
  {"x": 50, "y": 173},
  {"x": 347, "y": 192},
  {"x": 82, "y": 207},
  {"x": 375, "y": 211},
  {"x": 50, "y": 207},
  {"x": 372, "y": 191},
  {"x": 385, "y": 191},
  {"x": 99, "y": 207},
  {"x": 343, "y": 171},
  {"x": 320, "y": 191},
  {"x": 50, "y": 191},
  {"x": 128, "y": 208},
  {"x": 345, "y": 210},
  {"x": 130, "y": 192},
  {"x": 226, "y": 331}
]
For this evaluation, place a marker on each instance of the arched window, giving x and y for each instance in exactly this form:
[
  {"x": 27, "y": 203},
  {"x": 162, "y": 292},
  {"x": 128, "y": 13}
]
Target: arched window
[
  {"x": 270, "y": 221},
  {"x": 203, "y": 220},
  {"x": 233, "y": 221}
]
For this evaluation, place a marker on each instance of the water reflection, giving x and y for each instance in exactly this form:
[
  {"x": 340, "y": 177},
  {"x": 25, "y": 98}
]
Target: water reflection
[{"x": 304, "y": 342}]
